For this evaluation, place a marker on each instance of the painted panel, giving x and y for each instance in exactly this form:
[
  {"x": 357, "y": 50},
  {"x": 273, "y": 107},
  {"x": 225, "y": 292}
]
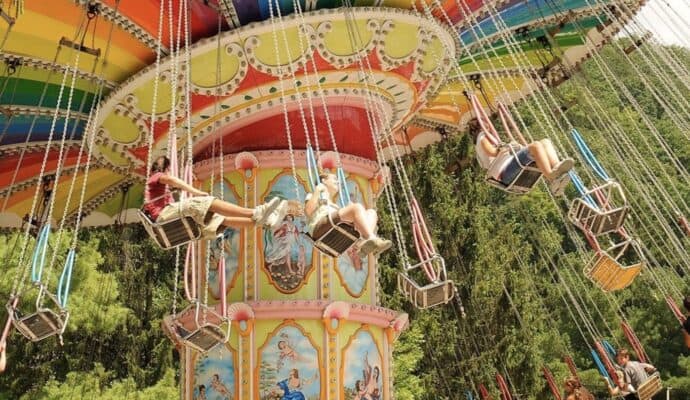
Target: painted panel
[
  {"x": 215, "y": 376},
  {"x": 352, "y": 269},
  {"x": 228, "y": 246},
  {"x": 361, "y": 369},
  {"x": 289, "y": 366},
  {"x": 287, "y": 251}
]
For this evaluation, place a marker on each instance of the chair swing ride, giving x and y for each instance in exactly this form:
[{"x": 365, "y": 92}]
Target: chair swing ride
[{"x": 262, "y": 98}]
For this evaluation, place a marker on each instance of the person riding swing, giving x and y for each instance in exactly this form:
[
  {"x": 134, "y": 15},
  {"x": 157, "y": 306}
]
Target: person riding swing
[
  {"x": 211, "y": 214},
  {"x": 320, "y": 206}
]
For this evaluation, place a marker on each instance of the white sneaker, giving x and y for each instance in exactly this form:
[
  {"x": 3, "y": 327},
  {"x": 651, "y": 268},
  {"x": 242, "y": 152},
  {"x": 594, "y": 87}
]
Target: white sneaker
[
  {"x": 560, "y": 169},
  {"x": 382, "y": 245},
  {"x": 558, "y": 185},
  {"x": 263, "y": 211},
  {"x": 367, "y": 246},
  {"x": 274, "y": 219}
]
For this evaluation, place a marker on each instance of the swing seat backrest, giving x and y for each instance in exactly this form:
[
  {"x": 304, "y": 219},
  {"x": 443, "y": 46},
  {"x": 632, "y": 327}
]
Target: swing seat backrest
[
  {"x": 524, "y": 181},
  {"x": 204, "y": 338},
  {"x": 172, "y": 233},
  {"x": 198, "y": 327},
  {"x": 650, "y": 387},
  {"x": 45, "y": 322},
  {"x": 608, "y": 274},
  {"x": 607, "y": 215},
  {"x": 40, "y": 325},
  {"x": 337, "y": 240},
  {"x": 423, "y": 297}
]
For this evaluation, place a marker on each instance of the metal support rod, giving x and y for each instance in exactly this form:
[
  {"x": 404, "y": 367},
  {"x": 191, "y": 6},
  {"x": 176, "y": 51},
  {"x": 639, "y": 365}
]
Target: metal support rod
[{"x": 88, "y": 50}]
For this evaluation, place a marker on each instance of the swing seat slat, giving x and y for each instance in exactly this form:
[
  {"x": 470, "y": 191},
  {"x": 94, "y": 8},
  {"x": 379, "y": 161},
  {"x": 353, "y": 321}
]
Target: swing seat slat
[
  {"x": 523, "y": 182},
  {"x": 650, "y": 387},
  {"x": 172, "y": 233},
  {"x": 337, "y": 239},
  {"x": 608, "y": 216},
  {"x": 423, "y": 297},
  {"x": 608, "y": 274},
  {"x": 43, "y": 323},
  {"x": 198, "y": 327}
]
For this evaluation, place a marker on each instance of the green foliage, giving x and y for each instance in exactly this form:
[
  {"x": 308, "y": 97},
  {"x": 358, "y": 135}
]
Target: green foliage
[
  {"x": 516, "y": 262},
  {"x": 98, "y": 384},
  {"x": 113, "y": 347}
]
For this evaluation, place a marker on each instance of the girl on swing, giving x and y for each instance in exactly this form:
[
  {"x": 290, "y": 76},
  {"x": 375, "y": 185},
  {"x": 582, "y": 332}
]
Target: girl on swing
[
  {"x": 364, "y": 220},
  {"x": 212, "y": 215},
  {"x": 503, "y": 166}
]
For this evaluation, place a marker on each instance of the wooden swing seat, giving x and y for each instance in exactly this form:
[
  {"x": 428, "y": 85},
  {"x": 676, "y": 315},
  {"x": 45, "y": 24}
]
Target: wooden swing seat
[
  {"x": 523, "y": 182},
  {"x": 650, "y": 387},
  {"x": 594, "y": 220},
  {"x": 204, "y": 338},
  {"x": 600, "y": 220},
  {"x": 337, "y": 239},
  {"x": 41, "y": 324},
  {"x": 172, "y": 233},
  {"x": 608, "y": 274},
  {"x": 423, "y": 297},
  {"x": 202, "y": 332}
]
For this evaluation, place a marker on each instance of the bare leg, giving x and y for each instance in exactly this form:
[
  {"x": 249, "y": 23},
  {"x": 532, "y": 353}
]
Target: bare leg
[
  {"x": 372, "y": 219},
  {"x": 238, "y": 222},
  {"x": 539, "y": 155},
  {"x": 550, "y": 151},
  {"x": 356, "y": 214},
  {"x": 230, "y": 210},
  {"x": 288, "y": 260}
]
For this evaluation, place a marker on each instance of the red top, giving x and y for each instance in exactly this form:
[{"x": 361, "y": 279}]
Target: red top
[{"x": 156, "y": 196}]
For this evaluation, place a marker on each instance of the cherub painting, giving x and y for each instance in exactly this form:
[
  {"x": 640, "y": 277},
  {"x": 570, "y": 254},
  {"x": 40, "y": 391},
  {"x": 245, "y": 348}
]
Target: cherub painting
[
  {"x": 289, "y": 367},
  {"x": 214, "y": 375}
]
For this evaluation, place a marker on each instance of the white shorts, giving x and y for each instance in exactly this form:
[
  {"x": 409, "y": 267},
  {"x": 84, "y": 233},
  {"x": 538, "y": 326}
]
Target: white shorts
[{"x": 197, "y": 208}]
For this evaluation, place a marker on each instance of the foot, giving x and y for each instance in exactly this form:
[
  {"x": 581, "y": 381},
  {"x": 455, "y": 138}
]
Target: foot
[
  {"x": 277, "y": 216},
  {"x": 560, "y": 169},
  {"x": 558, "y": 185},
  {"x": 262, "y": 212},
  {"x": 382, "y": 245},
  {"x": 368, "y": 246}
]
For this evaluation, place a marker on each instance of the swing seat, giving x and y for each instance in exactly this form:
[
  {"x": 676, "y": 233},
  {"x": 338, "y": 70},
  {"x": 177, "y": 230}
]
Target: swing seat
[
  {"x": 337, "y": 239},
  {"x": 204, "y": 338},
  {"x": 40, "y": 325},
  {"x": 172, "y": 233},
  {"x": 43, "y": 323},
  {"x": 608, "y": 274},
  {"x": 596, "y": 221},
  {"x": 439, "y": 291},
  {"x": 609, "y": 217},
  {"x": 201, "y": 332},
  {"x": 650, "y": 387},
  {"x": 523, "y": 182},
  {"x": 423, "y": 297}
]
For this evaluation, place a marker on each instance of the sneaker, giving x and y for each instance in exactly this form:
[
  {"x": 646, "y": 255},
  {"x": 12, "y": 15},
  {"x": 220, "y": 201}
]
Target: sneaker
[
  {"x": 382, "y": 245},
  {"x": 262, "y": 212},
  {"x": 558, "y": 185},
  {"x": 368, "y": 246},
  {"x": 274, "y": 219},
  {"x": 560, "y": 169}
]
